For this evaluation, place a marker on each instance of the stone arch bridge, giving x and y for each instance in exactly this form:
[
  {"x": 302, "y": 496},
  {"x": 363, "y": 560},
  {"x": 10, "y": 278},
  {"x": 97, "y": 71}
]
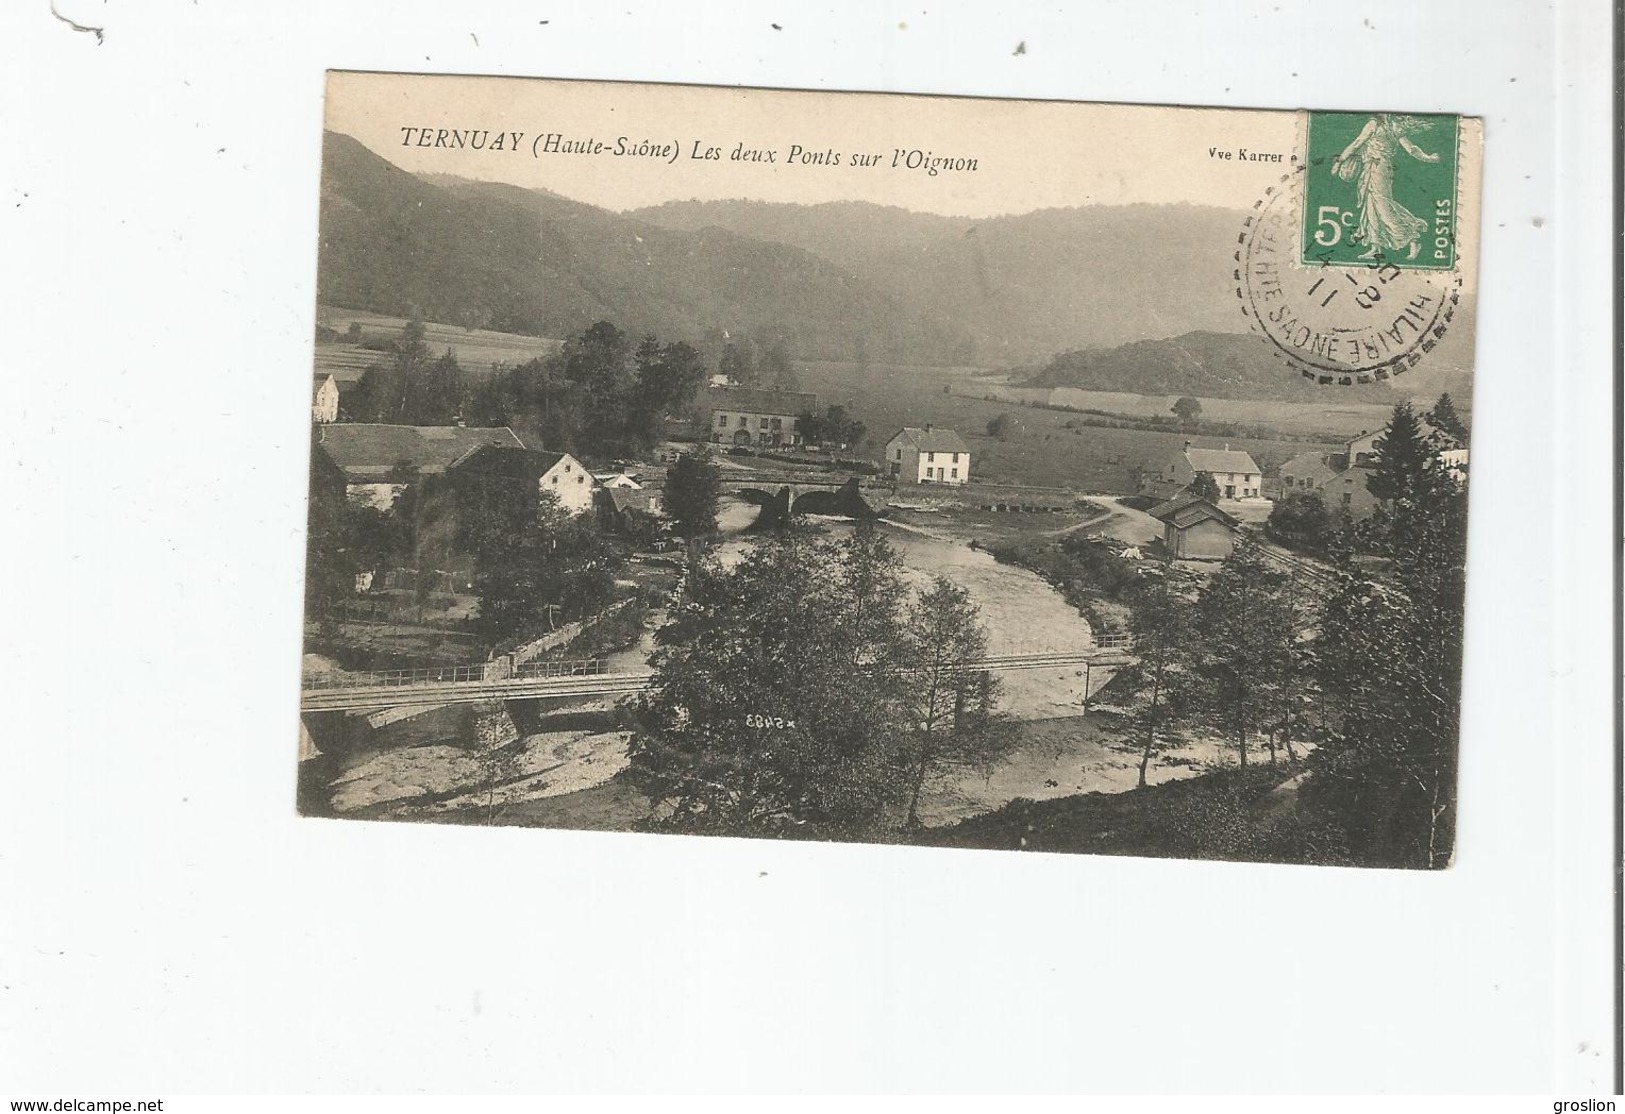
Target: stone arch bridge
[{"x": 781, "y": 496}]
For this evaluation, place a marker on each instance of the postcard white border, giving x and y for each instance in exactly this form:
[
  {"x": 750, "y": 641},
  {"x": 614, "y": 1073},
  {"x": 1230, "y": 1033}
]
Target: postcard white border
[{"x": 173, "y": 927}]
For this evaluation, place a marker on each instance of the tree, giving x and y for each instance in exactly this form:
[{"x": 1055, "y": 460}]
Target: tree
[
  {"x": 949, "y": 698},
  {"x": 597, "y": 397},
  {"x": 739, "y": 362},
  {"x": 534, "y": 560},
  {"x": 1301, "y": 521},
  {"x": 777, "y": 370},
  {"x": 810, "y": 424},
  {"x": 1161, "y": 626},
  {"x": 1390, "y": 666},
  {"x": 494, "y": 736},
  {"x": 438, "y": 396},
  {"x": 1187, "y": 410},
  {"x": 391, "y": 392},
  {"x": 598, "y": 364},
  {"x": 833, "y": 427},
  {"x": 1205, "y": 485},
  {"x": 408, "y": 373},
  {"x": 765, "y": 715},
  {"x": 364, "y": 401},
  {"x": 330, "y": 564},
  {"x": 693, "y": 486},
  {"x": 1444, "y": 417},
  {"x": 1401, "y": 457},
  {"x": 842, "y": 428},
  {"x": 873, "y": 588},
  {"x": 1001, "y": 426},
  {"x": 1244, "y": 632}
]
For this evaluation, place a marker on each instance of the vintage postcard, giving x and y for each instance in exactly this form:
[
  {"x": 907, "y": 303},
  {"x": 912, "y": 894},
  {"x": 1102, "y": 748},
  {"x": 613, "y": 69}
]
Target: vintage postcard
[{"x": 919, "y": 470}]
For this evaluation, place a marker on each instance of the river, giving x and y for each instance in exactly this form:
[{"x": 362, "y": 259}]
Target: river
[{"x": 1022, "y": 613}]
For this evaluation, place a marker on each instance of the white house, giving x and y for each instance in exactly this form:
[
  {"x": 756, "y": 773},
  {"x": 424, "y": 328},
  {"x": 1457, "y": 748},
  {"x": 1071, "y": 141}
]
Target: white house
[
  {"x": 928, "y": 455},
  {"x": 1236, "y": 473},
  {"x": 324, "y": 405},
  {"x": 569, "y": 479}
]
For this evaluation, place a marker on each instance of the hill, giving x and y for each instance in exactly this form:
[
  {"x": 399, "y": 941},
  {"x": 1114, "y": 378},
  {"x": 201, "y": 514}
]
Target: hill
[
  {"x": 1207, "y": 365},
  {"x": 1023, "y": 287},
  {"x": 530, "y": 261}
]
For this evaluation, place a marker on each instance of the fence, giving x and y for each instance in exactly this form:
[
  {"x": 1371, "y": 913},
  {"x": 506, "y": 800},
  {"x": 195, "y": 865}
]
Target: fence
[{"x": 392, "y": 678}]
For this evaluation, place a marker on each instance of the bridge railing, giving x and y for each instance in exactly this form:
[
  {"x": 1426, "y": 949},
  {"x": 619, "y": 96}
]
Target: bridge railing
[
  {"x": 599, "y": 667},
  {"x": 451, "y": 674},
  {"x": 589, "y": 667},
  {"x": 393, "y": 678}
]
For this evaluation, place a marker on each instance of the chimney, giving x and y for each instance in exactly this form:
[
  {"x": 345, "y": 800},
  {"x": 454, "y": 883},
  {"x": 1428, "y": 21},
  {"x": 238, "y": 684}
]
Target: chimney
[
  {"x": 1187, "y": 446},
  {"x": 1227, "y": 446},
  {"x": 928, "y": 427}
]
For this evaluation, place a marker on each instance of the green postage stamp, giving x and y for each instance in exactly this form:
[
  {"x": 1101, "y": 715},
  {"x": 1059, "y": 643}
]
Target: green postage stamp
[{"x": 1380, "y": 188}]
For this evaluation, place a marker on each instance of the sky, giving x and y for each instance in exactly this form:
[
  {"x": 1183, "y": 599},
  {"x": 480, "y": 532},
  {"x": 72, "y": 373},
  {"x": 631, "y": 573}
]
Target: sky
[{"x": 1029, "y": 154}]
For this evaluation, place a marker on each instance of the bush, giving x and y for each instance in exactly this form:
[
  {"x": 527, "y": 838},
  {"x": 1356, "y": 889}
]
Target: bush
[{"x": 1300, "y": 521}]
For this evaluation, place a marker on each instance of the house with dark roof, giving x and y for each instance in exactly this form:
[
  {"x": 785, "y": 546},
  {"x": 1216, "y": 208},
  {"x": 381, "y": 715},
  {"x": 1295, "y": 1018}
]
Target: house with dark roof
[
  {"x": 928, "y": 456},
  {"x": 1307, "y": 472},
  {"x": 537, "y": 470},
  {"x": 379, "y": 461},
  {"x": 1195, "y": 529},
  {"x": 1340, "y": 478},
  {"x": 756, "y": 416}
]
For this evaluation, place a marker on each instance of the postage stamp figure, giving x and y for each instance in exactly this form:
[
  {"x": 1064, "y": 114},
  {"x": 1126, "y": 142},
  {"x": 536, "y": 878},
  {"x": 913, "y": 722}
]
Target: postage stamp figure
[{"x": 1380, "y": 188}]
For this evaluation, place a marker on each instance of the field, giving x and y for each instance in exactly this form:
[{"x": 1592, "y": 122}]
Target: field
[
  {"x": 1347, "y": 419},
  {"x": 1040, "y": 451},
  {"x": 476, "y": 349}
]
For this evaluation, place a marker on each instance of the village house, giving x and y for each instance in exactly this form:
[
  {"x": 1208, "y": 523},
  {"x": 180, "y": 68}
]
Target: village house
[
  {"x": 629, "y": 492},
  {"x": 1194, "y": 529},
  {"x": 1235, "y": 472},
  {"x": 1340, "y": 478},
  {"x": 324, "y": 405},
  {"x": 756, "y": 416},
  {"x": 380, "y": 461},
  {"x": 560, "y": 473},
  {"x": 928, "y": 455}
]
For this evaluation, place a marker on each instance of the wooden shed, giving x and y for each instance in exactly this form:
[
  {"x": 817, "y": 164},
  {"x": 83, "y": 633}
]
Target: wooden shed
[{"x": 1194, "y": 529}]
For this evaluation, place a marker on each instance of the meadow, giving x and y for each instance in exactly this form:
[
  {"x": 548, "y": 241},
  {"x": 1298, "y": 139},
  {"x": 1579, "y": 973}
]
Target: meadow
[
  {"x": 1040, "y": 449},
  {"x": 476, "y": 349},
  {"x": 1332, "y": 418}
]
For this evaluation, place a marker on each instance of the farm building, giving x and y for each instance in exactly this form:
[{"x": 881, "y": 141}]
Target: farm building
[
  {"x": 562, "y": 474},
  {"x": 928, "y": 455},
  {"x": 1194, "y": 529},
  {"x": 1307, "y": 472},
  {"x": 1340, "y": 478},
  {"x": 380, "y": 461},
  {"x": 1235, "y": 472},
  {"x": 1451, "y": 452},
  {"x": 754, "y": 416},
  {"x": 324, "y": 404}
]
